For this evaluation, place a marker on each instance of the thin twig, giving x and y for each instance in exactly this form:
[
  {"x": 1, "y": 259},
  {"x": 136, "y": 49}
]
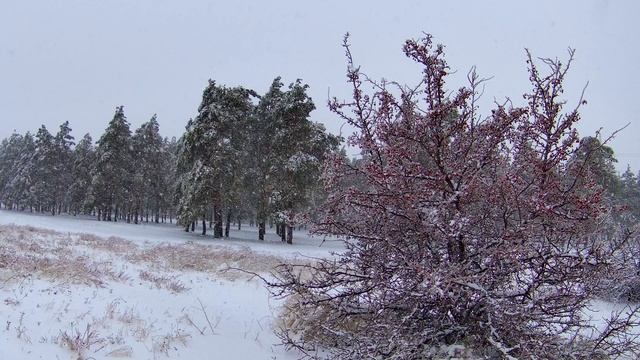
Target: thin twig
[{"x": 206, "y": 317}]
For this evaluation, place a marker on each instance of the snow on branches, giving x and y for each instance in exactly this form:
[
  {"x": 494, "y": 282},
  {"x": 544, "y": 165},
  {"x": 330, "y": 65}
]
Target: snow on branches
[{"x": 459, "y": 228}]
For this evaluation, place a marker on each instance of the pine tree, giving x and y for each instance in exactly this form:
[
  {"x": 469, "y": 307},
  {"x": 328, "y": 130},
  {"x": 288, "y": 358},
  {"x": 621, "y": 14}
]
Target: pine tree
[
  {"x": 289, "y": 150},
  {"x": 169, "y": 177},
  {"x": 266, "y": 122},
  {"x": 112, "y": 178},
  {"x": 43, "y": 171},
  {"x": 150, "y": 157},
  {"x": 24, "y": 181},
  {"x": 62, "y": 162},
  {"x": 208, "y": 152},
  {"x": 599, "y": 161},
  {"x": 18, "y": 159},
  {"x": 630, "y": 192},
  {"x": 9, "y": 152},
  {"x": 80, "y": 192}
]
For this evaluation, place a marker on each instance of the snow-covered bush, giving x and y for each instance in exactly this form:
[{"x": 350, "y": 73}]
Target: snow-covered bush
[{"x": 461, "y": 229}]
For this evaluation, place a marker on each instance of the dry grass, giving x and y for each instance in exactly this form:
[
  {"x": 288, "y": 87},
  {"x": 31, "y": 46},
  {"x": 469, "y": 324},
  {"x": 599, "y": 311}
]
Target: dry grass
[
  {"x": 165, "y": 343},
  {"x": 28, "y": 254},
  {"x": 163, "y": 282},
  {"x": 27, "y": 250},
  {"x": 121, "y": 352},
  {"x": 73, "y": 269},
  {"x": 21, "y": 330},
  {"x": 111, "y": 244},
  {"x": 206, "y": 258},
  {"x": 80, "y": 342}
]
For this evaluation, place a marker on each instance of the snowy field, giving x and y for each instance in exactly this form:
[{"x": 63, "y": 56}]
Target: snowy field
[{"x": 75, "y": 288}]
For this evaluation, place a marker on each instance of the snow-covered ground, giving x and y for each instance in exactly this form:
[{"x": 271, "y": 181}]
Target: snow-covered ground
[
  {"x": 76, "y": 288},
  {"x": 84, "y": 289},
  {"x": 304, "y": 245}
]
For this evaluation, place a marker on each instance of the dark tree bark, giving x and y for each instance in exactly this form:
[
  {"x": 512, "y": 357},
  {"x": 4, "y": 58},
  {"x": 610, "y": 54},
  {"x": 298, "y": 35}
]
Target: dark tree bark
[
  {"x": 289, "y": 234},
  {"x": 227, "y": 225},
  {"x": 218, "y": 223}
]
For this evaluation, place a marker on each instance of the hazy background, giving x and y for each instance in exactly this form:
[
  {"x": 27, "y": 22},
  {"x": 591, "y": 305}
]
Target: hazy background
[{"x": 78, "y": 60}]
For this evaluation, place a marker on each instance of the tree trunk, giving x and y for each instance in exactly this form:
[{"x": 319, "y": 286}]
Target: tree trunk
[
  {"x": 217, "y": 215},
  {"x": 227, "y": 225},
  {"x": 261, "y": 230},
  {"x": 204, "y": 225},
  {"x": 289, "y": 234},
  {"x": 217, "y": 221},
  {"x": 282, "y": 229}
]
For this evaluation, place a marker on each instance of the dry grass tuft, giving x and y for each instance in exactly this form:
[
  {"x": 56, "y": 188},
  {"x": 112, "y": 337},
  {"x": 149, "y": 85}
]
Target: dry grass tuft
[
  {"x": 112, "y": 244},
  {"x": 121, "y": 352},
  {"x": 80, "y": 342},
  {"x": 165, "y": 343},
  {"x": 163, "y": 282}
]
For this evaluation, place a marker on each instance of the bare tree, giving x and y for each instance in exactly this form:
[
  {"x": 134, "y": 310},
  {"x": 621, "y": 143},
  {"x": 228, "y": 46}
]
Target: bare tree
[{"x": 462, "y": 229}]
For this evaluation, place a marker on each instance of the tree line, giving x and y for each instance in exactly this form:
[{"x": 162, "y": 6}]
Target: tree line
[{"x": 243, "y": 157}]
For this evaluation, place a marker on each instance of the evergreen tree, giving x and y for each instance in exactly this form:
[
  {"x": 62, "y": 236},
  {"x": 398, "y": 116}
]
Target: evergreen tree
[
  {"x": 599, "y": 161},
  {"x": 289, "y": 150},
  {"x": 265, "y": 125},
  {"x": 16, "y": 179},
  {"x": 630, "y": 192},
  {"x": 208, "y": 155},
  {"x": 80, "y": 191},
  {"x": 112, "y": 178},
  {"x": 10, "y": 150},
  {"x": 62, "y": 162},
  {"x": 43, "y": 171},
  {"x": 168, "y": 175},
  {"x": 149, "y": 182}
]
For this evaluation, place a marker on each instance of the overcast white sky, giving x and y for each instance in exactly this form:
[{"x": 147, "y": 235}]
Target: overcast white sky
[{"x": 78, "y": 60}]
